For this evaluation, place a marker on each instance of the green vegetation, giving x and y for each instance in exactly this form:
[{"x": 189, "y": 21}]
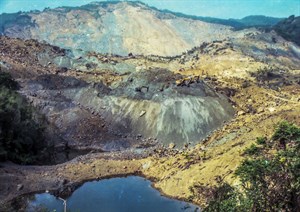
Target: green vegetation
[
  {"x": 289, "y": 29},
  {"x": 261, "y": 140},
  {"x": 269, "y": 181},
  {"x": 266, "y": 73},
  {"x": 21, "y": 135},
  {"x": 222, "y": 197},
  {"x": 252, "y": 150}
]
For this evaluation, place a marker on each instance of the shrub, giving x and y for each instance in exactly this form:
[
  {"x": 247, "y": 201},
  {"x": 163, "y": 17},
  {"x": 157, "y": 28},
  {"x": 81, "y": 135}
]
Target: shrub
[
  {"x": 7, "y": 81},
  {"x": 21, "y": 134},
  {"x": 252, "y": 150},
  {"x": 270, "y": 181},
  {"x": 225, "y": 198},
  {"x": 261, "y": 140},
  {"x": 285, "y": 133}
]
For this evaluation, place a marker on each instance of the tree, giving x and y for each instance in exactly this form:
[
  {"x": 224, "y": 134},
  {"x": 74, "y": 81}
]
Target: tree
[
  {"x": 21, "y": 134},
  {"x": 269, "y": 181}
]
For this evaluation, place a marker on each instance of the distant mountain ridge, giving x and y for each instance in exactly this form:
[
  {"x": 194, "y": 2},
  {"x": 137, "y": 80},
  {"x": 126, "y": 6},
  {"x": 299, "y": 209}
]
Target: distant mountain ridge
[
  {"x": 258, "y": 20},
  {"x": 113, "y": 27},
  {"x": 248, "y": 21},
  {"x": 123, "y": 27}
]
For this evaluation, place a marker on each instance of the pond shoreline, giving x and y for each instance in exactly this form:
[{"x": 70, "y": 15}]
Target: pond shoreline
[
  {"x": 110, "y": 189},
  {"x": 63, "y": 179}
]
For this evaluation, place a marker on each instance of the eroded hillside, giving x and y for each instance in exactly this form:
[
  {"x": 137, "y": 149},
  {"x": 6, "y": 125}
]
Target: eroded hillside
[
  {"x": 180, "y": 121},
  {"x": 117, "y": 28},
  {"x": 112, "y": 106}
]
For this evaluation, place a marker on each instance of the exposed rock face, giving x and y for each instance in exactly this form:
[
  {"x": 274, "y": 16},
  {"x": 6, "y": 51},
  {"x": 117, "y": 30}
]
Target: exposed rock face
[
  {"x": 119, "y": 28},
  {"x": 120, "y": 101},
  {"x": 137, "y": 106},
  {"x": 172, "y": 114}
]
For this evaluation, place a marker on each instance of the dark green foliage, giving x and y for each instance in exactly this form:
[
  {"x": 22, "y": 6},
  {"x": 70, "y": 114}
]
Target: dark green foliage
[
  {"x": 224, "y": 198},
  {"x": 289, "y": 29},
  {"x": 221, "y": 197},
  {"x": 254, "y": 175},
  {"x": 21, "y": 136},
  {"x": 286, "y": 133},
  {"x": 261, "y": 140},
  {"x": 269, "y": 181},
  {"x": 255, "y": 150},
  {"x": 7, "y": 82},
  {"x": 252, "y": 150},
  {"x": 266, "y": 73}
]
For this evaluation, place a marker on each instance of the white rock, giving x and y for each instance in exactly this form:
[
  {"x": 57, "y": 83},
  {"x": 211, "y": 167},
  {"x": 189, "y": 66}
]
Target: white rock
[
  {"x": 272, "y": 109},
  {"x": 142, "y": 113}
]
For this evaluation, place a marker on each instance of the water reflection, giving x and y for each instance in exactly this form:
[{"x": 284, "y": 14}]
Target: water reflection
[{"x": 132, "y": 194}]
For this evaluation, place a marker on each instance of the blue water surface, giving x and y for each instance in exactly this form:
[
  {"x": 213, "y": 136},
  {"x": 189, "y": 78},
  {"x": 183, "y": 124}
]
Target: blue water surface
[{"x": 127, "y": 194}]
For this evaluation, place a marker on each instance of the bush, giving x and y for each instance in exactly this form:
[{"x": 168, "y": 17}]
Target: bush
[
  {"x": 21, "y": 134},
  {"x": 270, "y": 181},
  {"x": 286, "y": 133},
  {"x": 261, "y": 140},
  {"x": 252, "y": 150},
  {"x": 7, "y": 81},
  {"x": 225, "y": 198},
  {"x": 266, "y": 73}
]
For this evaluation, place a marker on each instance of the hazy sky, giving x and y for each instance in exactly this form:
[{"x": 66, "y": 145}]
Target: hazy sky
[{"x": 212, "y": 8}]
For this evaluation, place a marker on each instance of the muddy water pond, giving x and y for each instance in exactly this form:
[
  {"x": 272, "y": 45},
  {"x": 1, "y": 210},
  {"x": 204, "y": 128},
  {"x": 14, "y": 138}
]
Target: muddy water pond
[{"x": 132, "y": 194}]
